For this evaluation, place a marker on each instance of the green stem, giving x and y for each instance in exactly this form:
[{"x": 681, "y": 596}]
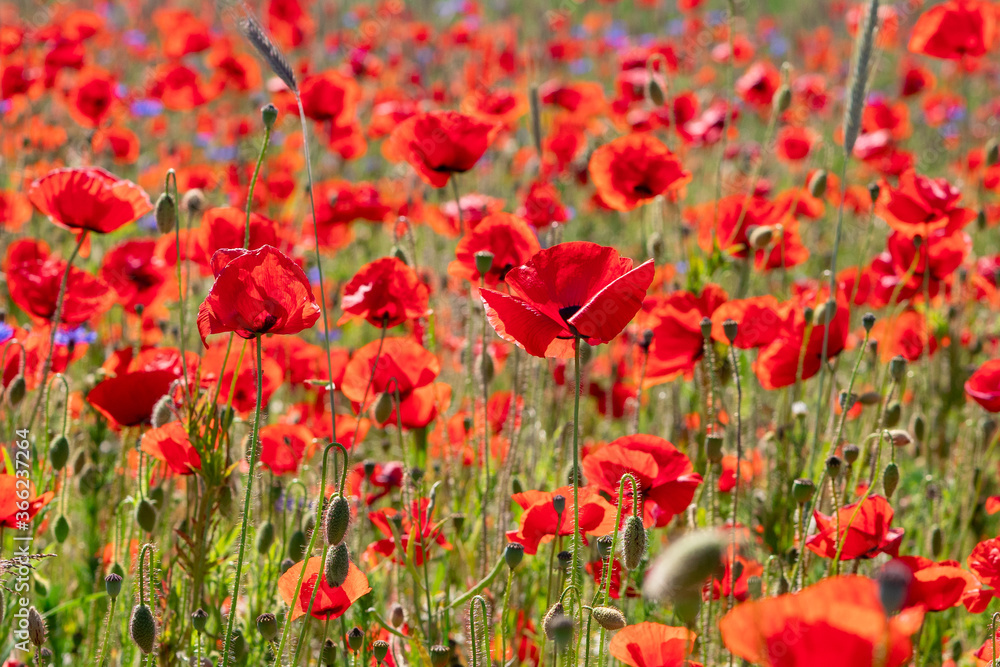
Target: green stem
[{"x": 575, "y": 563}]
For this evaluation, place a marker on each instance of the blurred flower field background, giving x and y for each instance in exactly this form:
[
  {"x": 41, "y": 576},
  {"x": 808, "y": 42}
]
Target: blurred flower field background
[{"x": 446, "y": 333}]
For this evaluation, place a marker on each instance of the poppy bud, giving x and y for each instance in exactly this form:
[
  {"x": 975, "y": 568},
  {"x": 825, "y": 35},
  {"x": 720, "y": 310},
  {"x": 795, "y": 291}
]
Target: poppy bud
[
  {"x": 873, "y": 191},
  {"x": 485, "y": 366},
  {"x": 687, "y": 605},
  {"x": 285, "y": 565},
  {"x": 355, "y": 637},
  {"x": 113, "y": 585},
  {"x": 656, "y": 95},
  {"x": 892, "y": 414},
  {"x": 142, "y": 628},
  {"x": 633, "y": 543},
  {"x": 755, "y": 587},
  {"x": 803, "y": 490},
  {"x": 890, "y": 479},
  {"x": 265, "y": 537},
  {"x": 870, "y": 398},
  {"x": 761, "y": 236},
  {"x": 516, "y": 486},
  {"x": 163, "y": 411},
  {"x": 609, "y": 618},
  {"x": 338, "y": 516},
  {"x": 396, "y": 616},
  {"x": 919, "y": 427},
  {"x": 851, "y": 453},
  {"x": 713, "y": 448},
  {"x": 459, "y": 521},
  {"x": 145, "y": 515},
  {"x": 240, "y": 648},
  {"x": 833, "y": 464},
  {"x": 807, "y": 314},
  {"x": 897, "y": 367},
  {"x": 484, "y": 262},
  {"x": 16, "y": 390},
  {"x": 554, "y": 612},
  {"x": 559, "y": 503},
  {"x": 329, "y": 653},
  {"x": 297, "y": 544},
  {"x": 166, "y": 213},
  {"x": 817, "y": 184},
  {"x": 61, "y": 529},
  {"x": 193, "y": 201},
  {"x": 199, "y": 618},
  {"x": 380, "y": 649},
  {"x": 513, "y": 554},
  {"x": 59, "y": 452},
  {"x": 731, "y": 329},
  {"x": 900, "y": 438},
  {"x": 604, "y": 546},
  {"x": 79, "y": 461},
  {"x": 825, "y": 313},
  {"x": 338, "y": 564},
  {"x": 562, "y": 631},
  {"x": 893, "y": 585},
  {"x": 782, "y": 99},
  {"x": 400, "y": 254},
  {"x": 440, "y": 655},
  {"x": 36, "y": 627},
  {"x": 269, "y": 114},
  {"x": 685, "y": 565},
  {"x": 383, "y": 407},
  {"x": 992, "y": 152},
  {"x": 937, "y": 541},
  {"x": 868, "y": 321},
  {"x": 267, "y": 626}
]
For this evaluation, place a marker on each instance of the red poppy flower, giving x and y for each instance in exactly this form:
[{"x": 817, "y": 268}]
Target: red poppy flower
[
  {"x": 719, "y": 588},
  {"x": 225, "y": 227},
  {"x": 330, "y": 603},
  {"x": 128, "y": 399},
  {"x": 933, "y": 263},
  {"x": 257, "y": 292},
  {"x": 9, "y": 500},
  {"x": 181, "y": 31},
  {"x": 569, "y": 290},
  {"x": 180, "y": 87},
  {"x": 171, "y": 445},
  {"x": 675, "y": 320},
  {"x": 633, "y": 169},
  {"x": 33, "y": 279},
  {"x": 403, "y": 365},
  {"x": 937, "y": 586},
  {"x": 88, "y": 199},
  {"x": 727, "y": 223},
  {"x": 795, "y": 143},
  {"x": 839, "y": 621},
  {"x": 984, "y": 561},
  {"x": 921, "y": 205},
  {"x": 134, "y": 271},
  {"x": 238, "y": 384},
  {"x": 759, "y": 83},
  {"x": 983, "y": 386},
  {"x": 867, "y": 536},
  {"x": 650, "y": 644},
  {"x": 92, "y": 98},
  {"x": 507, "y": 236},
  {"x": 955, "y": 29},
  {"x": 542, "y": 205},
  {"x": 496, "y": 105},
  {"x": 759, "y": 319},
  {"x": 440, "y": 143},
  {"x": 15, "y": 210},
  {"x": 540, "y": 522},
  {"x": 329, "y": 96},
  {"x": 667, "y": 479},
  {"x": 386, "y": 293},
  {"x": 418, "y": 528},
  {"x": 905, "y": 335},
  {"x": 120, "y": 142},
  {"x": 283, "y": 447}
]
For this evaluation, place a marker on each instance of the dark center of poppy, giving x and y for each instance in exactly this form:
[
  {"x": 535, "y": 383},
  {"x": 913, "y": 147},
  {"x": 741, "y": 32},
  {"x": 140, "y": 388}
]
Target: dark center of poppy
[
  {"x": 567, "y": 312},
  {"x": 268, "y": 322},
  {"x": 643, "y": 189}
]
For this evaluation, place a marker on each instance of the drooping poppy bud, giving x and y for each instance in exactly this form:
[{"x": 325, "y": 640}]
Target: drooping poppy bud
[
  {"x": 142, "y": 628},
  {"x": 338, "y": 516},
  {"x": 609, "y": 618},
  {"x": 337, "y": 566},
  {"x": 36, "y": 627},
  {"x": 633, "y": 543}
]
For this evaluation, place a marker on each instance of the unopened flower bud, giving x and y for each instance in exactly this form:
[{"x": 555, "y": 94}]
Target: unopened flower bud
[
  {"x": 337, "y": 565},
  {"x": 338, "y": 516},
  {"x": 633, "y": 543},
  {"x": 609, "y": 618},
  {"x": 142, "y": 628},
  {"x": 817, "y": 183}
]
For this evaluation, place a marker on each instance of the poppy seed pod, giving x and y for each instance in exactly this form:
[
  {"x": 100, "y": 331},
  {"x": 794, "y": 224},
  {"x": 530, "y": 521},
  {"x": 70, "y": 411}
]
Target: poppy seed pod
[
  {"x": 713, "y": 448},
  {"x": 338, "y": 516},
  {"x": 166, "y": 213},
  {"x": 36, "y": 627},
  {"x": 439, "y": 655},
  {"x": 559, "y": 503},
  {"x": 604, "y": 546},
  {"x": 61, "y": 529},
  {"x": 897, "y": 368},
  {"x": 199, "y": 618},
  {"x": 890, "y": 479},
  {"x": 285, "y": 565},
  {"x": 817, "y": 184},
  {"x": 380, "y": 649},
  {"x": 513, "y": 553},
  {"x": 893, "y": 585},
  {"x": 383, "y": 407},
  {"x": 193, "y": 201},
  {"x": 484, "y": 262},
  {"x": 142, "y": 628},
  {"x": 803, "y": 490},
  {"x": 355, "y": 637},
  {"x": 731, "y": 329},
  {"x": 396, "y": 616},
  {"x": 329, "y": 654},
  {"x": 113, "y": 585},
  {"x": 833, "y": 464},
  {"x": 554, "y": 612},
  {"x": 16, "y": 390},
  {"x": 338, "y": 564},
  {"x": 269, "y": 114},
  {"x": 761, "y": 237},
  {"x": 851, "y": 453},
  {"x": 267, "y": 626},
  {"x": 265, "y": 537},
  {"x": 684, "y": 565},
  {"x": 565, "y": 558},
  {"x": 145, "y": 515},
  {"x": 633, "y": 543},
  {"x": 868, "y": 321},
  {"x": 609, "y": 618},
  {"x": 59, "y": 452}
]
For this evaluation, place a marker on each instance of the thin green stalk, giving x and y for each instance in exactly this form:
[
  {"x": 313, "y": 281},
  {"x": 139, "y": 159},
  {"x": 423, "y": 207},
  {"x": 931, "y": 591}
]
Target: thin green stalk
[{"x": 575, "y": 563}]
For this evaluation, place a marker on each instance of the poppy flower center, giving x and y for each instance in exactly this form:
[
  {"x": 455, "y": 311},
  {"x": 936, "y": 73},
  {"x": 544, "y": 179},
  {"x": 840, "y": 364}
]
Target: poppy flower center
[{"x": 567, "y": 312}]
